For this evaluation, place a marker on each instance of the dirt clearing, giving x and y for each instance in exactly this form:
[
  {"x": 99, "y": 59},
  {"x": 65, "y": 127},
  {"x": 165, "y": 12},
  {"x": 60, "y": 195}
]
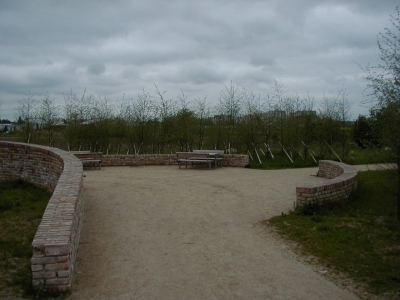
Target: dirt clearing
[{"x": 161, "y": 232}]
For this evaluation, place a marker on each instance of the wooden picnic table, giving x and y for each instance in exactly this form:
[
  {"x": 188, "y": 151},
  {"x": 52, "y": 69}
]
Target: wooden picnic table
[{"x": 200, "y": 156}]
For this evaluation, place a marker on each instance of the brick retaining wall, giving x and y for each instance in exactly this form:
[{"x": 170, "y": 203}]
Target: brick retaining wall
[
  {"x": 231, "y": 160},
  {"x": 344, "y": 180},
  {"x": 56, "y": 241}
]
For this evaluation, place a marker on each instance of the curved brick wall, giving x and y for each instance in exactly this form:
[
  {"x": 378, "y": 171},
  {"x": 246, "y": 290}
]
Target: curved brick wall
[
  {"x": 229, "y": 160},
  {"x": 57, "y": 238},
  {"x": 344, "y": 180}
]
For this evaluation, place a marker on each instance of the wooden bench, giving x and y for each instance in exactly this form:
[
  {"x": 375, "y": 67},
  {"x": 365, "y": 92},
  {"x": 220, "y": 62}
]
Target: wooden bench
[
  {"x": 89, "y": 159},
  {"x": 213, "y": 154},
  {"x": 200, "y": 156},
  {"x": 91, "y": 162}
]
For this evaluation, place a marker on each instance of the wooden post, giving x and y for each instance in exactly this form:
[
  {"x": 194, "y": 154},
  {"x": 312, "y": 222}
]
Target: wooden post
[
  {"x": 298, "y": 152},
  {"x": 308, "y": 149},
  {"x": 333, "y": 151},
  {"x": 261, "y": 150},
  {"x": 257, "y": 154},
  {"x": 285, "y": 152},
  {"x": 250, "y": 155},
  {"x": 269, "y": 150}
]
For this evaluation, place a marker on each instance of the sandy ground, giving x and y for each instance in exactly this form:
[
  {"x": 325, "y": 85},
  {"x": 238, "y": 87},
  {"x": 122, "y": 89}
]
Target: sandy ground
[{"x": 166, "y": 233}]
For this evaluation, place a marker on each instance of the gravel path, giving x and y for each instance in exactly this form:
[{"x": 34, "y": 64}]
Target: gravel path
[{"x": 166, "y": 233}]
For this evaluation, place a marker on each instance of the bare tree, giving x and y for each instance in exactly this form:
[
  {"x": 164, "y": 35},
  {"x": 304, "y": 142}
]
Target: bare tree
[
  {"x": 48, "y": 115},
  {"x": 141, "y": 112},
  {"x": 278, "y": 94},
  {"x": 202, "y": 116},
  {"x": 184, "y": 124},
  {"x": 26, "y": 111},
  {"x": 77, "y": 114},
  {"x": 230, "y": 102},
  {"x": 293, "y": 106},
  {"x": 329, "y": 124},
  {"x": 344, "y": 111},
  {"x": 165, "y": 109},
  {"x": 120, "y": 126},
  {"x": 269, "y": 122},
  {"x": 100, "y": 124},
  {"x": 309, "y": 123},
  {"x": 251, "y": 122}
]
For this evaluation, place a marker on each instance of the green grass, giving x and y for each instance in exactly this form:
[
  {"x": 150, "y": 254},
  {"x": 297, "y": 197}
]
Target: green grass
[
  {"x": 354, "y": 156},
  {"x": 21, "y": 209},
  {"x": 358, "y": 236}
]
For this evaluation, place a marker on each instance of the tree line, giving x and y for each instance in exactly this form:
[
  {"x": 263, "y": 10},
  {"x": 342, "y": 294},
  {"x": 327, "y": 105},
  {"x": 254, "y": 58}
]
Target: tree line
[{"x": 240, "y": 122}]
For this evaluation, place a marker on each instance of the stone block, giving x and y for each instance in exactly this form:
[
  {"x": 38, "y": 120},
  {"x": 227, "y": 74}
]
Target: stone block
[
  {"x": 58, "y": 281},
  {"x": 43, "y": 274},
  {"x": 57, "y": 249},
  {"x": 64, "y": 273},
  {"x": 36, "y": 268},
  {"x": 59, "y": 266}
]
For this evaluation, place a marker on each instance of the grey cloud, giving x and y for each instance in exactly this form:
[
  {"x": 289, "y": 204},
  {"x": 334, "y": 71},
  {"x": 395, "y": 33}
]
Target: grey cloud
[
  {"x": 96, "y": 68},
  {"x": 198, "y": 74},
  {"x": 112, "y": 48},
  {"x": 203, "y": 75},
  {"x": 262, "y": 59}
]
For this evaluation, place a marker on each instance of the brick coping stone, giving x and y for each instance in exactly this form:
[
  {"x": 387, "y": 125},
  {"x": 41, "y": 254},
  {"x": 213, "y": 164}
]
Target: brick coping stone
[
  {"x": 343, "y": 181},
  {"x": 56, "y": 241}
]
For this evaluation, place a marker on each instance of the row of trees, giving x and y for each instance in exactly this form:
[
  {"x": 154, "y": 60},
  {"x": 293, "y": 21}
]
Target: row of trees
[{"x": 152, "y": 123}]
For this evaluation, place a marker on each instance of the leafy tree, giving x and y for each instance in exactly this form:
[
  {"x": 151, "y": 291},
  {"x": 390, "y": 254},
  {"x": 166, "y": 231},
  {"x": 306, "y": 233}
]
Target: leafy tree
[
  {"x": 363, "y": 132},
  {"x": 384, "y": 91}
]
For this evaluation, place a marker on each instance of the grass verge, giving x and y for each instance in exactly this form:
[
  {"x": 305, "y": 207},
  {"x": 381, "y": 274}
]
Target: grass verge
[
  {"x": 21, "y": 208},
  {"x": 356, "y": 156},
  {"x": 358, "y": 237}
]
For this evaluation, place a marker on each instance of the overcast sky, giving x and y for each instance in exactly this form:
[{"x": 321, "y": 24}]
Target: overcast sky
[{"x": 113, "y": 48}]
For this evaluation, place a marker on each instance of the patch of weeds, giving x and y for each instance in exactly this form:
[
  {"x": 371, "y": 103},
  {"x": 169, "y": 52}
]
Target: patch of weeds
[
  {"x": 358, "y": 236},
  {"x": 21, "y": 208}
]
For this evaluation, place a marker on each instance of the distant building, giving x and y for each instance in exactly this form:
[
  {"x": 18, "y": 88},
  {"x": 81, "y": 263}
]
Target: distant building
[
  {"x": 10, "y": 127},
  {"x": 275, "y": 114},
  {"x": 306, "y": 113}
]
